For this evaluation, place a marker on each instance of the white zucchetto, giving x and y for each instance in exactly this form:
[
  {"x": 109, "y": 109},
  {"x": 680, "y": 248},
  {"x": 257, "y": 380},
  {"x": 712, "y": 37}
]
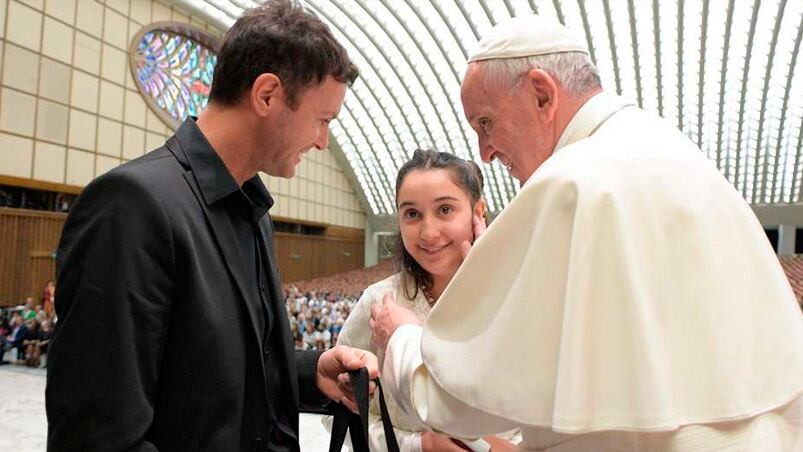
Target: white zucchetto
[{"x": 525, "y": 36}]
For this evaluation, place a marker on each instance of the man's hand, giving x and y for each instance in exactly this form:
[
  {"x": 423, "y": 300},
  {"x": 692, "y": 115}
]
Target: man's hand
[
  {"x": 333, "y": 379},
  {"x": 478, "y": 225},
  {"x": 386, "y": 318}
]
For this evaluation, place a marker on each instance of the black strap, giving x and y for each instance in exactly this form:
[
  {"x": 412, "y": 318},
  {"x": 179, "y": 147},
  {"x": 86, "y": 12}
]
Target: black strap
[
  {"x": 357, "y": 425},
  {"x": 390, "y": 435}
]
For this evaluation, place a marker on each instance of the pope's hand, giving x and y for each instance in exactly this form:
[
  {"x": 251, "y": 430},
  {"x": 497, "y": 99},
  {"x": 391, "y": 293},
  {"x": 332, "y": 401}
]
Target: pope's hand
[
  {"x": 498, "y": 444},
  {"x": 435, "y": 442},
  {"x": 387, "y": 318},
  {"x": 332, "y": 375},
  {"x": 478, "y": 225}
]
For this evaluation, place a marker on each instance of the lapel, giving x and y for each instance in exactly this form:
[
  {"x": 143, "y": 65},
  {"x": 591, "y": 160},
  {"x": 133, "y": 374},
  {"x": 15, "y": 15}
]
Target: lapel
[{"x": 220, "y": 225}]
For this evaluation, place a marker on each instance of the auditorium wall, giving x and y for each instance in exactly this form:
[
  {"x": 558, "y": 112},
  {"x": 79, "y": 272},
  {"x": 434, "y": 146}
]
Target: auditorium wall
[
  {"x": 70, "y": 111},
  {"x": 320, "y": 192},
  {"x": 29, "y": 238},
  {"x": 28, "y": 242}
]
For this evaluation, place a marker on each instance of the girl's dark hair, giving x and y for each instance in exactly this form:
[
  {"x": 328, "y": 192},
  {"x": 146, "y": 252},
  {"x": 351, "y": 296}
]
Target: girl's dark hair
[{"x": 465, "y": 174}]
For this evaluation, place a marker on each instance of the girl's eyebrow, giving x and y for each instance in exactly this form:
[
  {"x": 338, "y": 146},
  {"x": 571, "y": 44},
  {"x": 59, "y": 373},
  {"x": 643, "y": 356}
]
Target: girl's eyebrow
[{"x": 442, "y": 198}]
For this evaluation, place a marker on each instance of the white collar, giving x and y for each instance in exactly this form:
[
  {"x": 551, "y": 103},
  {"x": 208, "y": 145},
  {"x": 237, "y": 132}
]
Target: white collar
[{"x": 589, "y": 117}]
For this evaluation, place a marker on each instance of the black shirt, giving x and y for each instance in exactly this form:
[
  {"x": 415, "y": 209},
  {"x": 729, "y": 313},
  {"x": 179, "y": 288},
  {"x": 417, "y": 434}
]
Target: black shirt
[{"x": 247, "y": 208}]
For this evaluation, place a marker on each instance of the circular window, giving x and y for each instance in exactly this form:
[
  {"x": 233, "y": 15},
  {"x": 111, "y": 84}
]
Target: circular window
[{"x": 172, "y": 65}]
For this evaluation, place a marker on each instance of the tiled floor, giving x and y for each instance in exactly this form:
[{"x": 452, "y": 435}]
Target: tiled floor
[{"x": 23, "y": 425}]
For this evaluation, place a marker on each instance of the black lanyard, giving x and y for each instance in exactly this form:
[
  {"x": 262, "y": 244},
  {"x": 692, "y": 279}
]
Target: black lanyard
[{"x": 357, "y": 425}]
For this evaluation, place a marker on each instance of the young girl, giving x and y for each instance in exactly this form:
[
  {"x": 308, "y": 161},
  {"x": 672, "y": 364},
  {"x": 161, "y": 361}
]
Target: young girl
[{"x": 438, "y": 197}]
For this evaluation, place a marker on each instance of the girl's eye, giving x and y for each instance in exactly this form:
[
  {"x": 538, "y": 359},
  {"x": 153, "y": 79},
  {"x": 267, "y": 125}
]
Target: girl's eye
[
  {"x": 445, "y": 210},
  {"x": 410, "y": 214}
]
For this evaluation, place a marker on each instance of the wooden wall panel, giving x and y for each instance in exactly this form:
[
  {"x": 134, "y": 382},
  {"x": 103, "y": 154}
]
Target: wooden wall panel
[
  {"x": 28, "y": 241},
  {"x": 302, "y": 257}
]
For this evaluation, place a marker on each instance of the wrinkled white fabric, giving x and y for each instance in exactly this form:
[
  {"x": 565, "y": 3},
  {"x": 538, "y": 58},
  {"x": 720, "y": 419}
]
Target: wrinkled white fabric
[
  {"x": 627, "y": 287},
  {"x": 407, "y": 382}
]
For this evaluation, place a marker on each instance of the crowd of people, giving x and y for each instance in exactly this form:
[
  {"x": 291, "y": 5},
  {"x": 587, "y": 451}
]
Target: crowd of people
[
  {"x": 317, "y": 310},
  {"x": 317, "y": 318},
  {"x": 28, "y": 328}
]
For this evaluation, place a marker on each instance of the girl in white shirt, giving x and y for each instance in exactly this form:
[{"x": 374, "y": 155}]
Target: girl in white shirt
[{"x": 439, "y": 203}]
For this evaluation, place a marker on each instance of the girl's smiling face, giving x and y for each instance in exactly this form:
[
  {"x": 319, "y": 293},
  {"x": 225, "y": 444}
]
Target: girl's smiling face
[{"x": 435, "y": 218}]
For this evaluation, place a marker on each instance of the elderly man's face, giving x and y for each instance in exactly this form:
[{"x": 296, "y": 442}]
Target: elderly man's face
[{"x": 508, "y": 125}]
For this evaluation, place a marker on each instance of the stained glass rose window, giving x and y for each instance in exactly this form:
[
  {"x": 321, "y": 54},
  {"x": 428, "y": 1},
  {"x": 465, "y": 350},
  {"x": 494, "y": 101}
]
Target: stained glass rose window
[{"x": 172, "y": 65}]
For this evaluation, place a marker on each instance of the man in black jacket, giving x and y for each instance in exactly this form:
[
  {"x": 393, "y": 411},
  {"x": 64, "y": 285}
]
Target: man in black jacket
[{"x": 172, "y": 329}]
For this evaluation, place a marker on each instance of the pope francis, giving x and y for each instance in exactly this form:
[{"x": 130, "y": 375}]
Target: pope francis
[{"x": 626, "y": 300}]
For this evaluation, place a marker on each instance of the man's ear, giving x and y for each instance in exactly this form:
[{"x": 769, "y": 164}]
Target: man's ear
[
  {"x": 544, "y": 90},
  {"x": 266, "y": 91}
]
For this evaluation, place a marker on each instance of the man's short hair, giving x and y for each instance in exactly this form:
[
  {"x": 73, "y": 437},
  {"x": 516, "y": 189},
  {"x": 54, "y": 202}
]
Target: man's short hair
[
  {"x": 282, "y": 38},
  {"x": 574, "y": 71}
]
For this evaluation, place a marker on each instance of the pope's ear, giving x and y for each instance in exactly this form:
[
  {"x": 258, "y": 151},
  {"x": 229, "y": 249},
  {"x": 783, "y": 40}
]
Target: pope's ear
[{"x": 544, "y": 90}]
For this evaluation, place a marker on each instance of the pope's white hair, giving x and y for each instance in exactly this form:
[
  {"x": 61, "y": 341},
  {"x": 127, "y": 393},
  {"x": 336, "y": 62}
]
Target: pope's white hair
[{"x": 574, "y": 71}]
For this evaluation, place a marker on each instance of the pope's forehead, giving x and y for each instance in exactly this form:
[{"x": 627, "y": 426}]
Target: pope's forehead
[
  {"x": 476, "y": 101},
  {"x": 478, "y": 86},
  {"x": 475, "y": 78}
]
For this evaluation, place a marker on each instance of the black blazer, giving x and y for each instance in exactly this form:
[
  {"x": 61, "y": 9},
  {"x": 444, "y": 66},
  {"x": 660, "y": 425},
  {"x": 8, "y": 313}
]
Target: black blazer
[{"x": 156, "y": 347}]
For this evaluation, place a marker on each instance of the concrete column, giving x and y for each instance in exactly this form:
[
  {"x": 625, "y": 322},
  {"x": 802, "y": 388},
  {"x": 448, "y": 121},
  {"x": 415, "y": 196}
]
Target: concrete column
[
  {"x": 371, "y": 245},
  {"x": 786, "y": 239}
]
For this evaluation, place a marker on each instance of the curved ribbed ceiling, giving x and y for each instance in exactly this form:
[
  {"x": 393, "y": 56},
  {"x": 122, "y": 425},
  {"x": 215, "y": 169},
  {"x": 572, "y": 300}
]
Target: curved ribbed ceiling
[{"x": 728, "y": 73}]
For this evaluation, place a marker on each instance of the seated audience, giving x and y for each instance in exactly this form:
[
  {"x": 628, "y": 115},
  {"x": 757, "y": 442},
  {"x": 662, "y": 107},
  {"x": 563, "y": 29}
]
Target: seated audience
[
  {"x": 36, "y": 343},
  {"x": 16, "y": 337},
  {"x": 29, "y": 311}
]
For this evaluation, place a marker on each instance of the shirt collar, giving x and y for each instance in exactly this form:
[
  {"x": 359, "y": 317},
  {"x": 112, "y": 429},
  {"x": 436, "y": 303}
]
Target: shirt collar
[
  {"x": 214, "y": 179},
  {"x": 258, "y": 195},
  {"x": 589, "y": 117}
]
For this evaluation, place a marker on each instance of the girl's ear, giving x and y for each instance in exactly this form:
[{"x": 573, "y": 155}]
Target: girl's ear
[{"x": 479, "y": 208}]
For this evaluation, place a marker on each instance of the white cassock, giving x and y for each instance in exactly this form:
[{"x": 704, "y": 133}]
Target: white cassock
[{"x": 626, "y": 299}]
